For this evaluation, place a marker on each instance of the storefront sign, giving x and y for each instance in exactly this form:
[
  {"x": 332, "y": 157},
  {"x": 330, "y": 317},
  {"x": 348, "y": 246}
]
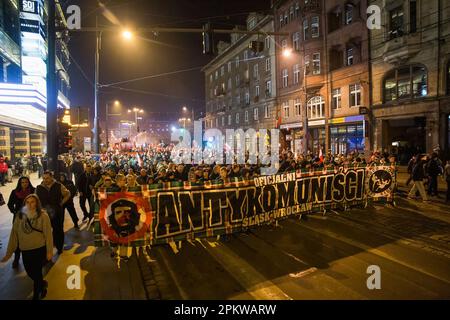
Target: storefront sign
[
  {"x": 158, "y": 214},
  {"x": 291, "y": 125},
  {"x": 316, "y": 123},
  {"x": 346, "y": 119}
]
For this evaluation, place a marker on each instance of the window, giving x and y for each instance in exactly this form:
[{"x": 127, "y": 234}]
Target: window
[
  {"x": 245, "y": 55},
  {"x": 355, "y": 95},
  {"x": 286, "y": 109},
  {"x": 315, "y": 107},
  {"x": 251, "y": 24},
  {"x": 210, "y": 78},
  {"x": 296, "y": 70},
  {"x": 412, "y": 16},
  {"x": 267, "y": 43},
  {"x": 246, "y": 116},
  {"x": 396, "y": 23},
  {"x": 222, "y": 71},
  {"x": 291, "y": 13},
  {"x": 266, "y": 112},
  {"x": 285, "y": 78},
  {"x": 229, "y": 119},
  {"x": 348, "y": 14},
  {"x": 268, "y": 88},
  {"x": 229, "y": 66},
  {"x": 336, "y": 98},
  {"x": 286, "y": 18},
  {"x": 268, "y": 64},
  {"x": 229, "y": 84},
  {"x": 316, "y": 63},
  {"x": 349, "y": 56},
  {"x": 223, "y": 121},
  {"x": 305, "y": 29},
  {"x": 281, "y": 21},
  {"x": 405, "y": 83},
  {"x": 297, "y": 107},
  {"x": 217, "y": 74},
  {"x": 238, "y": 80},
  {"x": 217, "y": 122},
  {"x": 284, "y": 44},
  {"x": 237, "y": 117},
  {"x": 297, "y": 10},
  {"x": 255, "y": 114},
  {"x": 247, "y": 98},
  {"x": 238, "y": 99},
  {"x": 295, "y": 41},
  {"x": 256, "y": 71},
  {"x": 257, "y": 91},
  {"x": 307, "y": 64},
  {"x": 315, "y": 27}
]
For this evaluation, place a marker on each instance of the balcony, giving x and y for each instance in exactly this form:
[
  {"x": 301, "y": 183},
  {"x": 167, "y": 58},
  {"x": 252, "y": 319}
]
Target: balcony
[{"x": 401, "y": 48}]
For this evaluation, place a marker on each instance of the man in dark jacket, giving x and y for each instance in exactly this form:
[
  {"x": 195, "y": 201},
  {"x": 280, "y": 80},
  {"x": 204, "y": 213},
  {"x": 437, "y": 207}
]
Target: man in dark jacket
[
  {"x": 434, "y": 169},
  {"x": 418, "y": 174},
  {"x": 77, "y": 168},
  {"x": 82, "y": 185},
  {"x": 53, "y": 195},
  {"x": 143, "y": 178},
  {"x": 69, "y": 204}
]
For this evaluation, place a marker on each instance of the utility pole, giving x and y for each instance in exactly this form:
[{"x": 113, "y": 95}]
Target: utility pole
[
  {"x": 52, "y": 96},
  {"x": 96, "y": 85}
]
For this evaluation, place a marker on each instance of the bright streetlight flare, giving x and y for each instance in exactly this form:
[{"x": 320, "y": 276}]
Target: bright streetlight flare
[
  {"x": 287, "y": 52},
  {"x": 128, "y": 35}
]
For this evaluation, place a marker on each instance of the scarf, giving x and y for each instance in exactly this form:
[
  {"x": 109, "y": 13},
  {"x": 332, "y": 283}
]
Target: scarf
[{"x": 22, "y": 194}]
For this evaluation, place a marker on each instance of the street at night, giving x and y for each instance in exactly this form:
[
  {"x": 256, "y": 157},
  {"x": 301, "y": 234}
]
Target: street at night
[{"x": 222, "y": 158}]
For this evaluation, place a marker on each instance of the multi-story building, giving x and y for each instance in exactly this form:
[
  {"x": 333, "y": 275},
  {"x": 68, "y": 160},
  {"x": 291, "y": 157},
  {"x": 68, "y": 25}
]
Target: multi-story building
[
  {"x": 241, "y": 82},
  {"x": 23, "y": 56},
  {"x": 410, "y": 76},
  {"x": 322, "y": 71}
]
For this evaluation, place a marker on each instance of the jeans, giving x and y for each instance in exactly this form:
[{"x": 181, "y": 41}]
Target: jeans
[
  {"x": 418, "y": 186},
  {"x": 73, "y": 213},
  {"x": 2, "y": 178},
  {"x": 83, "y": 200},
  {"x": 33, "y": 261},
  {"x": 433, "y": 186},
  {"x": 58, "y": 229}
]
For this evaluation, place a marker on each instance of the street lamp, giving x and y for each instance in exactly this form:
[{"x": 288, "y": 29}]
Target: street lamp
[
  {"x": 117, "y": 104},
  {"x": 126, "y": 34},
  {"x": 136, "y": 111}
]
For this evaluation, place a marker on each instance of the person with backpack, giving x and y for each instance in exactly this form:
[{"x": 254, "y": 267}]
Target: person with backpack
[
  {"x": 32, "y": 233},
  {"x": 418, "y": 174},
  {"x": 434, "y": 169},
  {"x": 447, "y": 179}
]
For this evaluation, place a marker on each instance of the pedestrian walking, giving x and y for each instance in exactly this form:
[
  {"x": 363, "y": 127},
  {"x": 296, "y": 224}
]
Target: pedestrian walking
[
  {"x": 32, "y": 233},
  {"x": 434, "y": 169},
  {"x": 69, "y": 204},
  {"x": 3, "y": 171},
  {"x": 15, "y": 204},
  {"x": 418, "y": 174},
  {"x": 53, "y": 195},
  {"x": 82, "y": 184}
]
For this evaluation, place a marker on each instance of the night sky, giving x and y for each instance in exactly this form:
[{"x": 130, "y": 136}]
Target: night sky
[{"x": 142, "y": 57}]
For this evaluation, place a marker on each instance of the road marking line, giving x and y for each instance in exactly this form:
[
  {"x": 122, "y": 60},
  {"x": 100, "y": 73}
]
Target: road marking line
[
  {"x": 303, "y": 273},
  {"x": 372, "y": 250},
  {"x": 255, "y": 283}
]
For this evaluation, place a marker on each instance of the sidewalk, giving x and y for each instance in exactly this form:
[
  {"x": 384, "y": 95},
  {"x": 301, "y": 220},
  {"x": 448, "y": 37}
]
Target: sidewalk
[{"x": 100, "y": 276}]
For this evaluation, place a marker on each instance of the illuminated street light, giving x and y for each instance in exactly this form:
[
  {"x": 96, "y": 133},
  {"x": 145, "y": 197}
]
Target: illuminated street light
[
  {"x": 127, "y": 34},
  {"x": 287, "y": 52}
]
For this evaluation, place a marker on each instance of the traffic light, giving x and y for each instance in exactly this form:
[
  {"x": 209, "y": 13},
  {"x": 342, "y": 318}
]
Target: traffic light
[
  {"x": 208, "y": 43},
  {"x": 64, "y": 137}
]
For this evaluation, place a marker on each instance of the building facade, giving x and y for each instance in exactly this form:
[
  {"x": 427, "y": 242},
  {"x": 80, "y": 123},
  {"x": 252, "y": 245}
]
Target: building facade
[
  {"x": 410, "y": 76},
  {"x": 323, "y": 75},
  {"x": 241, "y": 82},
  {"x": 23, "y": 56}
]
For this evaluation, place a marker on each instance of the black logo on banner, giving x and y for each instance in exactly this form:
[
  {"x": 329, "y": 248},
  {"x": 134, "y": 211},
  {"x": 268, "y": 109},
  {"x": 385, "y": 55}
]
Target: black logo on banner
[{"x": 380, "y": 181}]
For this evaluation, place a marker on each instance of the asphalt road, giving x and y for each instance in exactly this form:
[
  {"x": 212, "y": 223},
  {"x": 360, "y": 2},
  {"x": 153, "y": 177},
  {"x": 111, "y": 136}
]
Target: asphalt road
[{"x": 323, "y": 257}]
